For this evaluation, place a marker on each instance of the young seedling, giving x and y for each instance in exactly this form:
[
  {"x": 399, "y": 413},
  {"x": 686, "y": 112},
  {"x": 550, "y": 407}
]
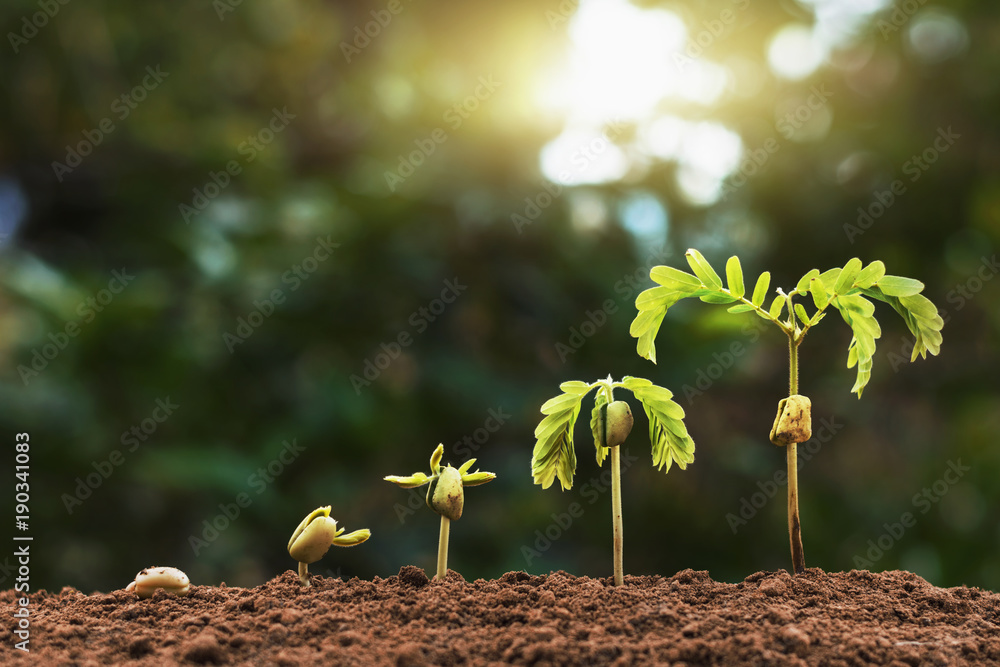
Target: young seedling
[
  {"x": 554, "y": 456},
  {"x": 169, "y": 579},
  {"x": 445, "y": 495},
  {"x": 847, "y": 289},
  {"x": 314, "y": 537}
]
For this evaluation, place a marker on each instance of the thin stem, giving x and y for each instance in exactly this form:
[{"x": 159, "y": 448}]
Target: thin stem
[
  {"x": 442, "y": 564},
  {"x": 616, "y": 491},
  {"x": 304, "y": 573},
  {"x": 791, "y": 451},
  {"x": 616, "y": 512},
  {"x": 793, "y": 366}
]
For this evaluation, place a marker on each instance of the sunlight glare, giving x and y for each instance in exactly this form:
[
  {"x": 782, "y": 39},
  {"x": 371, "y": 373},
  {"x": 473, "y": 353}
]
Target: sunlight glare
[
  {"x": 708, "y": 154},
  {"x": 618, "y": 64},
  {"x": 580, "y": 156},
  {"x": 794, "y": 52}
]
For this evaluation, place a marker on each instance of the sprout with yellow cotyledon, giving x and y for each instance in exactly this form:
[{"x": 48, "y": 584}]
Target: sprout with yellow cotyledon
[
  {"x": 445, "y": 495},
  {"x": 314, "y": 537}
]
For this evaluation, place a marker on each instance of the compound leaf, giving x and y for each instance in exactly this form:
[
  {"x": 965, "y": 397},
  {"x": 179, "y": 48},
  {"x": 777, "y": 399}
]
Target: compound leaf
[{"x": 554, "y": 456}]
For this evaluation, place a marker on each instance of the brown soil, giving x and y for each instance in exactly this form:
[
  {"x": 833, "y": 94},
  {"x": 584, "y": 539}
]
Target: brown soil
[{"x": 817, "y": 618}]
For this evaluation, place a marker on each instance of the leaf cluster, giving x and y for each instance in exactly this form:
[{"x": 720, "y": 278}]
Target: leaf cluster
[
  {"x": 418, "y": 479},
  {"x": 848, "y": 289},
  {"x": 554, "y": 455}
]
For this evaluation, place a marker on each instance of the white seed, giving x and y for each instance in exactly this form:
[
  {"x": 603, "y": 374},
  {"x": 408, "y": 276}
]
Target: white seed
[{"x": 169, "y": 579}]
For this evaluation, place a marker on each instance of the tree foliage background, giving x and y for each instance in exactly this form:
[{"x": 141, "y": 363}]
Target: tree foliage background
[{"x": 537, "y": 296}]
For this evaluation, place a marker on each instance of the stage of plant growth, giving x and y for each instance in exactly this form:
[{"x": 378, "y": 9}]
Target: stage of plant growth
[{"x": 848, "y": 290}]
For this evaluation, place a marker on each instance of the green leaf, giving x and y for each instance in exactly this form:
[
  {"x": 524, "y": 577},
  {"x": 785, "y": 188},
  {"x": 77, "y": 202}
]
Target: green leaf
[
  {"x": 560, "y": 403},
  {"x": 899, "y": 286},
  {"x": 760, "y": 290},
  {"x": 720, "y": 297},
  {"x": 703, "y": 269},
  {"x": 658, "y": 297},
  {"x": 921, "y": 318},
  {"x": 829, "y": 279},
  {"x": 847, "y": 275},
  {"x": 740, "y": 308},
  {"x": 633, "y": 383},
  {"x": 803, "y": 285},
  {"x": 596, "y": 425},
  {"x": 818, "y": 292},
  {"x": 870, "y": 275},
  {"x": 554, "y": 456},
  {"x": 575, "y": 387},
  {"x": 800, "y": 310},
  {"x": 673, "y": 278},
  {"x": 857, "y": 304},
  {"x": 776, "y": 307},
  {"x": 646, "y": 345},
  {"x": 857, "y": 312},
  {"x": 668, "y": 436},
  {"x": 920, "y": 306},
  {"x": 927, "y": 324},
  {"x": 409, "y": 481},
  {"x": 646, "y": 319},
  {"x": 734, "y": 277}
]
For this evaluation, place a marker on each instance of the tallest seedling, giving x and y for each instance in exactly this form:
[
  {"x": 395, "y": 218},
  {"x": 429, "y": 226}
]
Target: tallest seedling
[{"x": 848, "y": 290}]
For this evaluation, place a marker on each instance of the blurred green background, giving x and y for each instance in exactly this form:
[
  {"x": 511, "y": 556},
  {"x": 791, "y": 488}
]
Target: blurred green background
[{"x": 290, "y": 192}]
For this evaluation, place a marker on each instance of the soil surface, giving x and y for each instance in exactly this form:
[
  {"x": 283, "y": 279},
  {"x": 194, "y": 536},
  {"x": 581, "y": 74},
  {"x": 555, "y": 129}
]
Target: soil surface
[{"x": 770, "y": 618}]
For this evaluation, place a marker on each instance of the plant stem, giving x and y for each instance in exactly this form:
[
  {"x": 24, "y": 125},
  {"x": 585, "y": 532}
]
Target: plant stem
[
  {"x": 304, "y": 573},
  {"x": 791, "y": 450},
  {"x": 442, "y": 564},
  {"x": 616, "y": 512}
]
